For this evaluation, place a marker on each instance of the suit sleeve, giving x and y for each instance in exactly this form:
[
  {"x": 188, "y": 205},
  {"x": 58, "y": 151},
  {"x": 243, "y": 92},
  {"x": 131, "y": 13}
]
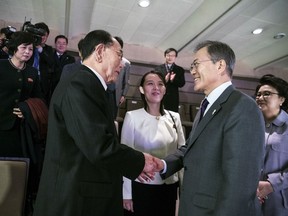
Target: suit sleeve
[
  {"x": 89, "y": 121},
  {"x": 127, "y": 138},
  {"x": 174, "y": 162},
  {"x": 179, "y": 79}
]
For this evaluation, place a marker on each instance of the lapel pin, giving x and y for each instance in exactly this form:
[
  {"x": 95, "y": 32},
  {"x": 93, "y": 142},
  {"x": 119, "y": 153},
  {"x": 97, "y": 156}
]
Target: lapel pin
[{"x": 213, "y": 111}]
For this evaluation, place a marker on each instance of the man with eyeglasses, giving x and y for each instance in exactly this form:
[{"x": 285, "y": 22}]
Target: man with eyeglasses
[
  {"x": 223, "y": 155},
  {"x": 175, "y": 79},
  {"x": 84, "y": 163}
]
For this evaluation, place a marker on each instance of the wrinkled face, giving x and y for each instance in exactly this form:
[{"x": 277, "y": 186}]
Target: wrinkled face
[
  {"x": 153, "y": 88},
  {"x": 112, "y": 58},
  {"x": 24, "y": 52},
  {"x": 170, "y": 57},
  {"x": 268, "y": 100},
  {"x": 60, "y": 45},
  {"x": 204, "y": 72}
]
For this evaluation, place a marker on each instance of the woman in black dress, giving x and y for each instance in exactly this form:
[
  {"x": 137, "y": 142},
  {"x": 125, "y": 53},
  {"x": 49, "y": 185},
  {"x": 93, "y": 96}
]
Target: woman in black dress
[{"x": 19, "y": 82}]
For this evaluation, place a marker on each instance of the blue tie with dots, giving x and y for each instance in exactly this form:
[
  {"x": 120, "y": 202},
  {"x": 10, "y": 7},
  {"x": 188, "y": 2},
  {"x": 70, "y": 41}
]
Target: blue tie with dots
[
  {"x": 36, "y": 60},
  {"x": 204, "y": 105}
]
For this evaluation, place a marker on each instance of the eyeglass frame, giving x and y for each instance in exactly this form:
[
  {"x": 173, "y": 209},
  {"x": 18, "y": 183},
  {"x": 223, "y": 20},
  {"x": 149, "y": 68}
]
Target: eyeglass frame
[
  {"x": 195, "y": 64},
  {"x": 265, "y": 94},
  {"x": 119, "y": 53}
]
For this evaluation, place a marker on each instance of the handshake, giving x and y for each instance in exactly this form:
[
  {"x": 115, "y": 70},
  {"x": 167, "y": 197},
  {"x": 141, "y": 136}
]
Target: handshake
[{"x": 152, "y": 165}]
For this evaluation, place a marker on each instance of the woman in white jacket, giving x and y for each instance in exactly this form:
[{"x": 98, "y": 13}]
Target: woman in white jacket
[{"x": 159, "y": 132}]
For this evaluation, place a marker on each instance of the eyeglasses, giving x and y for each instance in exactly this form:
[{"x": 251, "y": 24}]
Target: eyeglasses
[
  {"x": 196, "y": 64},
  {"x": 265, "y": 94},
  {"x": 119, "y": 53}
]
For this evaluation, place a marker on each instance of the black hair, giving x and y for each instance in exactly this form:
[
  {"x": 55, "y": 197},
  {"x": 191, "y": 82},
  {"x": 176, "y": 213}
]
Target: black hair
[
  {"x": 161, "y": 76},
  {"x": 17, "y": 39},
  {"x": 80, "y": 44},
  {"x": 170, "y": 50},
  {"x": 61, "y": 36},
  {"x": 279, "y": 84},
  {"x": 94, "y": 38},
  {"x": 43, "y": 26},
  {"x": 217, "y": 51},
  {"x": 120, "y": 41}
]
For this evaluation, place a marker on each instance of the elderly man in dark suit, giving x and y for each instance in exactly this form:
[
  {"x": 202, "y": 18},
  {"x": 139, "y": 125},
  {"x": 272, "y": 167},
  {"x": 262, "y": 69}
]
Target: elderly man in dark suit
[
  {"x": 84, "y": 163},
  {"x": 223, "y": 155}
]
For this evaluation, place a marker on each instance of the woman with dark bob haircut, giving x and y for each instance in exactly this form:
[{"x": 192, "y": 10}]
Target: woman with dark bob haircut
[
  {"x": 272, "y": 99},
  {"x": 19, "y": 83}
]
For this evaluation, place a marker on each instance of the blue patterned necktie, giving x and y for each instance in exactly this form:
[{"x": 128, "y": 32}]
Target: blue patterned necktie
[
  {"x": 204, "y": 105},
  {"x": 36, "y": 60}
]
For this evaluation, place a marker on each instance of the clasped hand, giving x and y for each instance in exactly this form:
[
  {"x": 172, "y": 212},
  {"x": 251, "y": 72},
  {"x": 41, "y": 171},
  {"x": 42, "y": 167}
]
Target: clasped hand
[
  {"x": 152, "y": 165},
  {"x": 263, "y": 190}
]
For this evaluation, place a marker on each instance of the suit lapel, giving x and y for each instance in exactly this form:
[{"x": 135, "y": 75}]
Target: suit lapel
[{"x": 213, "y": 111}]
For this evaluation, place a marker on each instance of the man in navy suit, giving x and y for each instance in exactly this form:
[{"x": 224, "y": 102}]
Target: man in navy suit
[
  {"x": 84, "y": 163},
  {"x": 223, "y": 155},
  {"x": 61, "y": 58}
]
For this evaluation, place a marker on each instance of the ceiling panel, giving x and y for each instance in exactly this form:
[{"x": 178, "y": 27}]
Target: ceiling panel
[{"x": 181, "y": 24}]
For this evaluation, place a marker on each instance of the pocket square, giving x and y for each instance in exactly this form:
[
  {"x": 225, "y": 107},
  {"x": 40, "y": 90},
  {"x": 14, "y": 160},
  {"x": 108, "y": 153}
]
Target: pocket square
[{"x": 30, "y": 80}]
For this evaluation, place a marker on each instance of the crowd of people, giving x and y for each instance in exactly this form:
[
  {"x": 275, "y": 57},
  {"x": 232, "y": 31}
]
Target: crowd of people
[{"x": 234, "y": 161}]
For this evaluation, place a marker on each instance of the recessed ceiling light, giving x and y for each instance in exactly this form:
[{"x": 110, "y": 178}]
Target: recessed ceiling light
[
  {"x": 144, "y": 3},
  {"x": 257, "y": 31},
  {"x": 279, "y": 35}
]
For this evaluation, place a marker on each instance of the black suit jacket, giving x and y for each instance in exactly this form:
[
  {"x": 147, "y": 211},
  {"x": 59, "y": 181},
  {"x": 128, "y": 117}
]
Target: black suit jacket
[
  {"x": 46, "y": 67},
  {"x": 70, "y": 68},
  {"x": 84, "y": 163},
  {"x": 15, "y": 86},
  {"x": 58, "y": 67},
  {"x": 171, "y": 98}
]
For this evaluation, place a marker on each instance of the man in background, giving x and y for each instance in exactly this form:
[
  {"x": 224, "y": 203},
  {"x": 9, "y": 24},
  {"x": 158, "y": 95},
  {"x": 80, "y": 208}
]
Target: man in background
[
  {"x": 70, "y": 68},
  {"x": 61, "y": 58},
  {"x": 175, "y": 79},
  {"x": 43, "y": 61}
]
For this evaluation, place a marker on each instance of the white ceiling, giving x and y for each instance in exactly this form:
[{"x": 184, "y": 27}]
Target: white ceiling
[{"x": 181, "y": 24}]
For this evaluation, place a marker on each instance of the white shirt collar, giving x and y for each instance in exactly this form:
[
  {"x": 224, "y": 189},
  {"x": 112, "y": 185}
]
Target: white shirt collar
[
  {"x": 99, "y": 77},
  {"x": 215, "y": 94}
]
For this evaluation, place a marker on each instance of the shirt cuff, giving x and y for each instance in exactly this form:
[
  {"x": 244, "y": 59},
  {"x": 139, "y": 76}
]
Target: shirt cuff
[{"x": 165, "y": 167}]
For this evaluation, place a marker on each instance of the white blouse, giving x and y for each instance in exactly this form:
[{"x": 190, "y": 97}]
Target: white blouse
[{"x": 154, "y": 135}]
